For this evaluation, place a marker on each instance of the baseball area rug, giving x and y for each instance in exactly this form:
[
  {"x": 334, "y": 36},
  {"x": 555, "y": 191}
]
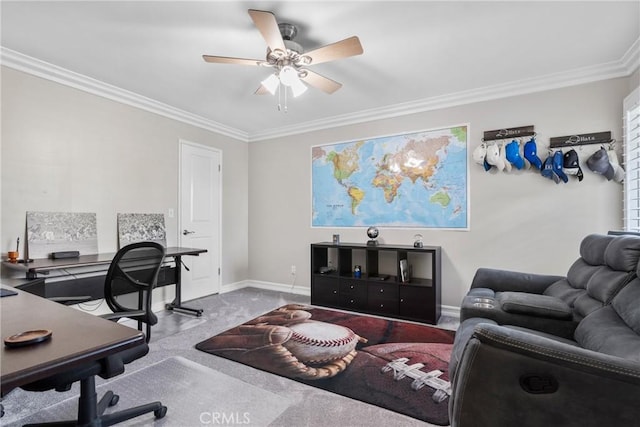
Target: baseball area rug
[{"x": 396, "y": 365}]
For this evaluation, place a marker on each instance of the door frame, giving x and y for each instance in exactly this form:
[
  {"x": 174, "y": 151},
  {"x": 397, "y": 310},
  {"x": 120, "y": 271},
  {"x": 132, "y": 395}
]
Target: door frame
[{"x": 181, "y": 143}]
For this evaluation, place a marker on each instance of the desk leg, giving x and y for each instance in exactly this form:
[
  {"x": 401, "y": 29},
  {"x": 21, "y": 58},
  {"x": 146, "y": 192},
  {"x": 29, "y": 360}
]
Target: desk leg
[{"x": 176, "y": 304}]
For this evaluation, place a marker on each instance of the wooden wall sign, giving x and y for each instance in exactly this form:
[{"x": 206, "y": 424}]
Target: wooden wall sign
[
  {"x": 492, "y": 135},
  {"x": 580, "y": 139}
]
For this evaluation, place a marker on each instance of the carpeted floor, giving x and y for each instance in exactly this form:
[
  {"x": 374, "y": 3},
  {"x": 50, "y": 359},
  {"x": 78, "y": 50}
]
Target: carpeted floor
[
  {"x": 185, "y": 387},
  {"x": 176, "y": 335}
]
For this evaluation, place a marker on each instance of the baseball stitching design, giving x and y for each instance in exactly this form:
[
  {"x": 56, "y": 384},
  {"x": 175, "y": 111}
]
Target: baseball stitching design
[{"x": 323, "y": 343}]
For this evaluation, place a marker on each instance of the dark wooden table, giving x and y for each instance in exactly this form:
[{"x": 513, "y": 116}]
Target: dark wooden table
[{"x": 77, "y": 338}]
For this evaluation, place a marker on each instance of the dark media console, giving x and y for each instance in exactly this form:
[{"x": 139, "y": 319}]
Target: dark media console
[{"x": 379, "y": 289}]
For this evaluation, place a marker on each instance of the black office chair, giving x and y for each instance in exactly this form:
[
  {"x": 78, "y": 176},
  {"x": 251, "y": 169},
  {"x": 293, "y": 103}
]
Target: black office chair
[
  {"x": 134, "y": 272},
  {"x": 90, "y": 410}
]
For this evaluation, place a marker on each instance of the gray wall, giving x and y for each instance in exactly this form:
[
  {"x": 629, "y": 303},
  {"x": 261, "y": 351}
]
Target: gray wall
[
  {"x": 519, "y": 221},
  {"x": 63, "y": 149},
  {"x": 67, "y": 150}
]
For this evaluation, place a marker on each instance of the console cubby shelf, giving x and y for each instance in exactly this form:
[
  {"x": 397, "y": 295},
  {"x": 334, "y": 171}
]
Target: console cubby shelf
[{"x": 379, "y": 290}]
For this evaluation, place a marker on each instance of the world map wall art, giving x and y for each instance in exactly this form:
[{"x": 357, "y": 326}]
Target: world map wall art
[{"x": 411, "y": 180}]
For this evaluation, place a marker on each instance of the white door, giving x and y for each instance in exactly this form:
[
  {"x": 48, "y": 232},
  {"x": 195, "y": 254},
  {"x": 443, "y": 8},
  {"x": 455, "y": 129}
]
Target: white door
[{"x": 200, "y": 218}]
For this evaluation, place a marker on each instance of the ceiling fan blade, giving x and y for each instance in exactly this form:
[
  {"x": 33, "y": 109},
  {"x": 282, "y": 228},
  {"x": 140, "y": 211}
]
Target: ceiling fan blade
[
  {"x": 262, "y": 91},
  {"x": 342, "y": 49},
  {"x": 228, "y": 60},
  {"x": 268, "y": 27},
  {"x": 320, "y": 82}
]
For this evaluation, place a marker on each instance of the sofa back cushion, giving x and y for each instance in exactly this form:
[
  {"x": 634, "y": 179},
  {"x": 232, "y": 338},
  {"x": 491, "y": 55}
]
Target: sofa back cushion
[
  {"x": 614, "y": 329},
  {"x": 606, "y": 265}
]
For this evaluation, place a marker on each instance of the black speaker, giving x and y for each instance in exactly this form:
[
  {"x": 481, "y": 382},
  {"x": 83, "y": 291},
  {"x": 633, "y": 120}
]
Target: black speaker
[{"x": 65, "y": 254}]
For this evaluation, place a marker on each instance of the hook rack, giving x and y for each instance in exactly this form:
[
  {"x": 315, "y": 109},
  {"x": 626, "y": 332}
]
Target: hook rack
[
  {"x": 581, "y": 139},
  {"x": 492, "y": 135}
]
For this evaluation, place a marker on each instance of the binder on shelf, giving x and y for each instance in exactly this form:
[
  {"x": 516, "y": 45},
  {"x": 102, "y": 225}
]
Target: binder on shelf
[{"x": 404, "y": 271}]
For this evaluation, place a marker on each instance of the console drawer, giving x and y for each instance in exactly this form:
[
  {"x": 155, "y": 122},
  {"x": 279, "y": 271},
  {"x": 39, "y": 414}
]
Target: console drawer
[
  {"x": 380, "y": 305},
  {"x": 325, "y": 290},
  {"x": 353, "y": 301},
  {"x": 382, "y": 290},
  {"x": 353, "y": 287}
]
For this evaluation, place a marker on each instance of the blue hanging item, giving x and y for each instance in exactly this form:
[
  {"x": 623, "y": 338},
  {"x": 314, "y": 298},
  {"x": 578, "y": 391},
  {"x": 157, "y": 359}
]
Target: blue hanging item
[
  {"x": 557, "y": 166},
  {"x": 531, "y": 153},
  {"x": 547, "y": 170},
  {"x": 513, "y": 154}
]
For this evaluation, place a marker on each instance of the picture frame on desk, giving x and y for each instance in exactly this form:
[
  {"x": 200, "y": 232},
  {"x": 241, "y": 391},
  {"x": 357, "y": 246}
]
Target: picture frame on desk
[{"x": 49, "y": 232}]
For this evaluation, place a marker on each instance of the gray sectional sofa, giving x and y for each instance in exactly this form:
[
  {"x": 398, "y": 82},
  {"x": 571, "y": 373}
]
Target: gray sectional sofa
[{"x": 541, "y": 350}]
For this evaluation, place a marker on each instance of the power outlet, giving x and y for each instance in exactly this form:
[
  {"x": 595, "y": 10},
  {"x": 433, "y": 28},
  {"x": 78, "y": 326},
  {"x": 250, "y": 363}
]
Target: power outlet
[{"x": 293, "y": 270}]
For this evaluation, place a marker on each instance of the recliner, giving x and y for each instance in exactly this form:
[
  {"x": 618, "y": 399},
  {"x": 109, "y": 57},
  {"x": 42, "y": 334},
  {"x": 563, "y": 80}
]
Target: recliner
[
  {"x": 518, "y": 370},
  {"x": 555, "y": 304},
  {"x": 511, "y": 376}
]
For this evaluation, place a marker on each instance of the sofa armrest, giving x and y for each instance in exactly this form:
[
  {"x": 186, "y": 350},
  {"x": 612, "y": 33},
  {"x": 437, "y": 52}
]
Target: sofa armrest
[
  {"x": 535, "y": 305},
  {"x": 512, "y": 377},
  {"x": 505, "y": 280}
]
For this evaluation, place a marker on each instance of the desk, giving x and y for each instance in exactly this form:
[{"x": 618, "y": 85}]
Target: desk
[
  {"x": 93, "y": 285},
  {"x": 77, "y": 338}
]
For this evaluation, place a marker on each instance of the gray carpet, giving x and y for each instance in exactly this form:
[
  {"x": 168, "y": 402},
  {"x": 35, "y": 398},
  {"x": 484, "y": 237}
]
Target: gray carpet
[
  {"x": 175, "y": 336},
  {"x": 193, "y": 393}
]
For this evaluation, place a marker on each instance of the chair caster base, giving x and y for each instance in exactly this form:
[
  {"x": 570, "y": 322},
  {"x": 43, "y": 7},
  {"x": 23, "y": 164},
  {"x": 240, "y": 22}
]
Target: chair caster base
[{"x": 160, "y": 413}]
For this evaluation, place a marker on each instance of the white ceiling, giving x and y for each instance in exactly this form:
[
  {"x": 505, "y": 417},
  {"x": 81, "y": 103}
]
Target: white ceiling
[{"x": 417, "y": 55}]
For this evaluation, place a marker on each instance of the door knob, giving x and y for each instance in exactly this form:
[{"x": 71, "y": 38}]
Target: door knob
[{"x": 185, "y": 232}]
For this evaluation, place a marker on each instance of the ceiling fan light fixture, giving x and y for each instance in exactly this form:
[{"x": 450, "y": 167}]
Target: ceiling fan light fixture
[
  {"x": 271, "y": 84},
  {"x": 289, "y": 75},
  {"x": 298, "y": 88}
]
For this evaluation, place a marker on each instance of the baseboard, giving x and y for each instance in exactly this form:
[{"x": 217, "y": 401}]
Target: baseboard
[
  {"x": 446, "y": 310},
  {"x": 450, "y": 311},
  {"x": 160, "y": 305},
  {"x": 271, "y": 286}
]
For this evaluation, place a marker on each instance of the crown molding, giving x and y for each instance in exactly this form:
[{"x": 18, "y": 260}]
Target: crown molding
[
  {"x": 631, "y": 59},
  {"x": 45, "y": 70},
  {"x": 623, "y": 67}
]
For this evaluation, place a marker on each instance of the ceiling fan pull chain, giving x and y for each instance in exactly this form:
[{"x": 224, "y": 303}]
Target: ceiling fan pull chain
[{"x": 285, "y": 100}]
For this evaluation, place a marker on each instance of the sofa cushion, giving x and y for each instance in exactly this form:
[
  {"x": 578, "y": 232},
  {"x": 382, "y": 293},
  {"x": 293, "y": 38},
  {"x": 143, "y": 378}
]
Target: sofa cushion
[
  {"x": 626, "y": 305},
  {"x": 592, "y": 259},
  {"x": 562, "y": 289},
  {"x": 590, "y": 286},
  {"x": 534, "y": 305},
  {"x": 614, "y": 329},
  {"x": 623, "y": 253},
  {"x": 593, "y": 247}
]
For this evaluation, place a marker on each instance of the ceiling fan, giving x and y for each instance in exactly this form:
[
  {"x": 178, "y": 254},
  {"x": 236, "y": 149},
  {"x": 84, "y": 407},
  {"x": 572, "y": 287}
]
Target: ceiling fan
[{"x": 288, "y": 58}]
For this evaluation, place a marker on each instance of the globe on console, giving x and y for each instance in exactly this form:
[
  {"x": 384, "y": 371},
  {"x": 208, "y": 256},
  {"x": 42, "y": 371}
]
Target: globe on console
[{"x": 373, "y": 233}]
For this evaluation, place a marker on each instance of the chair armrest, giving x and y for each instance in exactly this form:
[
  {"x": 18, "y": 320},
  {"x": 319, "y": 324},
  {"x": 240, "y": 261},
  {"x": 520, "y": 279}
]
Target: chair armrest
[
  {"x": 135, "y": 315},
  {"x": 70, "y": 300},
  {"x": 505, "y": 280},
  {"x": 551, "y": 382}
]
